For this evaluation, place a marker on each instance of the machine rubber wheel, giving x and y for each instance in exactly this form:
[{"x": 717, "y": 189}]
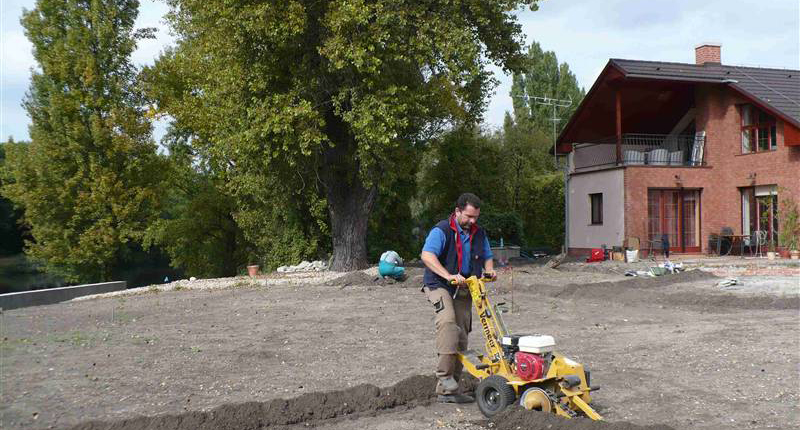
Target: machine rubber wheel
[{"x": 493, "y": 394}]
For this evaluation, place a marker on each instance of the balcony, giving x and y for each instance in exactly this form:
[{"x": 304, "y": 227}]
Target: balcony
[{"x": 639, "y": 149}]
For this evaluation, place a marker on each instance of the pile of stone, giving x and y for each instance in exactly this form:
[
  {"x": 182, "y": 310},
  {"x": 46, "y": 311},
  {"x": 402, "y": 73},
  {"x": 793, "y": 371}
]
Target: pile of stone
[{"x": 305, "y": 266}]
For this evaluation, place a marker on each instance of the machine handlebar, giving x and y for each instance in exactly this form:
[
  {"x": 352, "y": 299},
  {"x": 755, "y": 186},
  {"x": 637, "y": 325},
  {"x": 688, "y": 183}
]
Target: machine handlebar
[{"x": 482, "y": 279}]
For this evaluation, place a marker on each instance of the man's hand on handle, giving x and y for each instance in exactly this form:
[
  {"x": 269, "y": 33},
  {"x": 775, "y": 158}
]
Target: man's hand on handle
[
  {"x": 456, "y": 279},
  {"x": 490, "y": 274}
]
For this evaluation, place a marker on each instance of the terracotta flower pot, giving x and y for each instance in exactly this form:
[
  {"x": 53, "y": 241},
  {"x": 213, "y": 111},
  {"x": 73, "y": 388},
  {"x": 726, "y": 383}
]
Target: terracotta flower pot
[
  {"x": 252, "y": 270},
  {"x": 795, "y": 254},
  {"x": 784, "y": 253}
]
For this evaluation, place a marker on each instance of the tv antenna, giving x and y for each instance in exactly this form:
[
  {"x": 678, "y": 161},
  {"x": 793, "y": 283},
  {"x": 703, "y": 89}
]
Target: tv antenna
[{"x": 555, "y": 103}]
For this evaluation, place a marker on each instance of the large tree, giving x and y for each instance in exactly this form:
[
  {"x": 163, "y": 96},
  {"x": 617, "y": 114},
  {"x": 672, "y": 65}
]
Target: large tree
[
  {"x": 10, "y": 229},
  {"x": 314, "y": 104},
  {"x": 87, "y": 181},
  {"x": 543, "y": 77}
]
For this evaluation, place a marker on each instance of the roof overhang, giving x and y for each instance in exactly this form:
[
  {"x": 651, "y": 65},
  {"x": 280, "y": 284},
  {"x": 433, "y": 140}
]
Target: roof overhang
[{"x": 614, "y": 72}]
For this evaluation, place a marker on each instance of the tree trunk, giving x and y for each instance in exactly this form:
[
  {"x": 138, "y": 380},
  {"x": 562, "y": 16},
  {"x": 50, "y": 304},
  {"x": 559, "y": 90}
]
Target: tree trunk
[
  {"x": 229, "y": 260},
  {"x": 349, "y": 201},
  {"x": 349, "y": 207}
]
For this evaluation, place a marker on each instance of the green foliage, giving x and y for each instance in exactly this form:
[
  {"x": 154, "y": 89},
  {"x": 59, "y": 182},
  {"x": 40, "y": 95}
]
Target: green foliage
[
  {"x": 10, "y": 230},
  {"x": 261, "y": 224},
  {"x": 463, "y": 160},
  {"x": 197, "y": 229},
  {"x": 542, "y": 211},
  {"x": 789, "y": 234},
  {"x": 510, "y": 171},
  {"x": 391, "y": 223},
  {"x": 88, "y": 180},
  {"x": 543, "y": 77},
  {"x": 505, "y": 225},
  {"x": 302, "y": 105}
]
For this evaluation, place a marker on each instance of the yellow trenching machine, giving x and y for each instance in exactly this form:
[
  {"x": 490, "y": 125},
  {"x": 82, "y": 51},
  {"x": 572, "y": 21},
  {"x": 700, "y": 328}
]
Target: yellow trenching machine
[{"x": 523, "y": 367}]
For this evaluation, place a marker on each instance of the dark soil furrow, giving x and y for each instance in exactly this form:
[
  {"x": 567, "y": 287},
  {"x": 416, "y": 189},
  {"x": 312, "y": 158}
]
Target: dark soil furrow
[
  {"x": 363, "y": 400},
  {"x": 308, "y": 408},
  {"x": 631, "y": 291}
]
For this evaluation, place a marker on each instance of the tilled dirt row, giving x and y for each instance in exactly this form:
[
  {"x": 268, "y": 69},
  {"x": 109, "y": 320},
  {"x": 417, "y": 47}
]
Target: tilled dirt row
[
  {"x": 307, "y": 409},
  {"x": 672, "y": 350},
  {"x": 631, "y": 291},
  {"x": 324, "y": 408}
]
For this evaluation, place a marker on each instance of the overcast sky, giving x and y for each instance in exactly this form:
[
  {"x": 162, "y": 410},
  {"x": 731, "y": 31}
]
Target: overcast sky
[{"x": 585, "y": 34}]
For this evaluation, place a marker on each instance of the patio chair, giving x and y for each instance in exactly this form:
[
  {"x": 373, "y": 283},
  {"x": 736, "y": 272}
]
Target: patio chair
[
  {"x": 632, "y": 157},
  {"x": 653, "y": 246},
  {"x": 713, "y": 243},
  {"x": 757, "y": 239},
  {"x": 676, "y": 158},
  {"x": 725, "y": 241},
  {"x": 658, "y": 157}
]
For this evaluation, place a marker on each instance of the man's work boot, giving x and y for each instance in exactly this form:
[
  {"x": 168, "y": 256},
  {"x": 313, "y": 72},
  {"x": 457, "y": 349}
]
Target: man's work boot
[
  {"x": 447, "y": 385},
  {"x": 448, "y": 391},
  {"x": 455, "y": 398}
]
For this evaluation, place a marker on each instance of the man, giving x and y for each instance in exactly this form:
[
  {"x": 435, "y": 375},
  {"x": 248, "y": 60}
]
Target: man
[{"x": 455, "y": 249}]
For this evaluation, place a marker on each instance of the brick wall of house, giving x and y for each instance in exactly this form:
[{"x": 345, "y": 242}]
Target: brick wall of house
[
  {"x": 639, "y": 179},
  {"x": 727, "y": 169}
]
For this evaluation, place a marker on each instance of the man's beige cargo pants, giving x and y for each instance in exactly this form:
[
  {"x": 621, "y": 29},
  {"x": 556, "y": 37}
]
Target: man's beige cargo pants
[{"x": 453, "y": 321}]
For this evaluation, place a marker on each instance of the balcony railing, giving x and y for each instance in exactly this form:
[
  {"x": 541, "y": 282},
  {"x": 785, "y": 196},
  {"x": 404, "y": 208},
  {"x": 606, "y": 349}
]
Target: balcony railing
[{"x": 641, "y": 150}]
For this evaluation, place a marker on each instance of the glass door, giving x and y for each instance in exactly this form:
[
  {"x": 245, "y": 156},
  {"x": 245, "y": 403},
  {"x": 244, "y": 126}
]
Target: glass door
[
  {"x": 760, "y": 212},
  {"x": 691, "y": 219},
  {"x": 676, "y": 214}
]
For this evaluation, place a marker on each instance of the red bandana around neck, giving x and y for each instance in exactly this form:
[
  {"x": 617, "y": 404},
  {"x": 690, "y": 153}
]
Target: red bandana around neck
[{"x": 459, "y": 252}]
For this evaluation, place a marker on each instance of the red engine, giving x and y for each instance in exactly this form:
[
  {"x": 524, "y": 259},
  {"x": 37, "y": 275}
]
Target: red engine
[{"x": 529, "y": 366}]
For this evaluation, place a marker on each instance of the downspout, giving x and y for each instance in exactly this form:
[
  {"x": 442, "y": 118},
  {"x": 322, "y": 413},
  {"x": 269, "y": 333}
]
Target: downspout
[
  {"x": 618, "y": 109},
  {"x": 566, "y": 201}
]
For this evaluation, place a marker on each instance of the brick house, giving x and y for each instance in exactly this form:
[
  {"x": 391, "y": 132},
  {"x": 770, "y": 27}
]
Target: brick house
[{"x": 686, "y": 150}]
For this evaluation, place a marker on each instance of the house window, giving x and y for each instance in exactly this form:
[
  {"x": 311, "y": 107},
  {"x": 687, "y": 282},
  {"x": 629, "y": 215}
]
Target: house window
[
  {"x": 759, "y": 132},
  {"x": 597, "y": 208}
]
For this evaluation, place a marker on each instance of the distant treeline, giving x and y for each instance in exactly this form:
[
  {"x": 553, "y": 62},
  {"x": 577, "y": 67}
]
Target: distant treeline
[{"x": 320, "y": 132}]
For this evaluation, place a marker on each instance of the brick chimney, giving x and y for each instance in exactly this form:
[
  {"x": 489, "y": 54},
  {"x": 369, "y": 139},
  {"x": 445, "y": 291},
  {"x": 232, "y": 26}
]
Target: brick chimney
[{"x": 708, "y": 53}]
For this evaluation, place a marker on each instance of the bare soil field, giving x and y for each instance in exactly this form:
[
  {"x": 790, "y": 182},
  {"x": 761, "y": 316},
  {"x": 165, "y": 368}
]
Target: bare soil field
[{"x": 348, "y": 352}]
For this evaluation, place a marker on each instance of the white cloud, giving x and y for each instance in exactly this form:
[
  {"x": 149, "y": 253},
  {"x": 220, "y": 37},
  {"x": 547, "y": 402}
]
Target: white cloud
[
  {"x": 585, "y": 34},
  {"x": 17, "y": 57}
]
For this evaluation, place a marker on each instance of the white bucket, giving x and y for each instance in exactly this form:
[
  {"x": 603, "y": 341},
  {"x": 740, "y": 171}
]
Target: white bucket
[{"x": 632, "y": 255}]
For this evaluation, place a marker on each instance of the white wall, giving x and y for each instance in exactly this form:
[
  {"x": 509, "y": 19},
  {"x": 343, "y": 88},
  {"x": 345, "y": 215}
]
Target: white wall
[{"x": 611, "y": 233}]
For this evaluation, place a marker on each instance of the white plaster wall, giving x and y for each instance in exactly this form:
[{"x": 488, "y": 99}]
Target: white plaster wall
[{"x": 612, "y": 231}]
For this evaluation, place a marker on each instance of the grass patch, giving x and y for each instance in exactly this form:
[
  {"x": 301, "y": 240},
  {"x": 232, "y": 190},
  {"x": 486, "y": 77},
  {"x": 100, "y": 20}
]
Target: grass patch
[
  {"x": 243, "y": 284},
  {"x": 79, "y": 338},
  {"x": 10, "y": 344}
]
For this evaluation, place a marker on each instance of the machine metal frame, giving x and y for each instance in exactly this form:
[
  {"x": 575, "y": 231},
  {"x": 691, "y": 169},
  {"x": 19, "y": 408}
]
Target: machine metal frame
[{"x": 564, "y": 390}]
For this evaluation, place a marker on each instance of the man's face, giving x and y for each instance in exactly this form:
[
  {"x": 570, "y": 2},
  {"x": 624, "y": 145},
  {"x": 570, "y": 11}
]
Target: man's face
[{"x": 467, "y": 217}]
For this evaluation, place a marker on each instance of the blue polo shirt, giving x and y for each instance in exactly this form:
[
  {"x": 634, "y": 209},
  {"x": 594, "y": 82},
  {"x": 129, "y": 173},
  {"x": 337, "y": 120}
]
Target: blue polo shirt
[{"x": 435, "y": 243}]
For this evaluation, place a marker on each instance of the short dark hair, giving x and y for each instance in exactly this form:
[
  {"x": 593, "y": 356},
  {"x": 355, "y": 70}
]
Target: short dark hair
[{"x": 468, "y": 199}]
